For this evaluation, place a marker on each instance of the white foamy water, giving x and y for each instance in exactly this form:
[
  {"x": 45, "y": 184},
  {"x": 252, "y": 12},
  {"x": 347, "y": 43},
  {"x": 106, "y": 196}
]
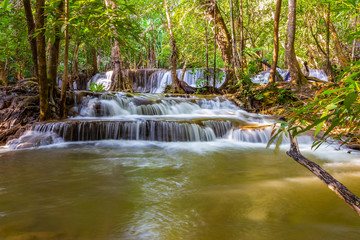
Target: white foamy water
[{"x": 263, "y": 77}]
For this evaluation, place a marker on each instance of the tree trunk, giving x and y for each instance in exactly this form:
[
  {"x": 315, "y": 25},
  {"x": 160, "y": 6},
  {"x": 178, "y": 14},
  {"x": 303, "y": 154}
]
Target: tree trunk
[
  {"x": 75, "y": 73},
  {"x": 328, "y": 64},
  {"x": 207, "y": 54},
  {"x": 95, "y": 69},
  {"x": 294, "y": 67},
  {"x": 223, "y": 37},
  {"x": 334, "y": 185},
  {"x": 215, "y": 35},
  {"x": 353, "y": 56},
  {"x": 66, "y": 62},
  {"x": 116, "y": 79},
  {"x": 236, "y": 61},
  {"x": 2, "y": 74},
  {"x": 54, "y": 52},
  {"x": 174, "y": 51},
  {"x": 242, "y": 38},
  {"x": 41, "y": 48},
  {"x": 276, "y": 41},
  {"x": 31, "y": 30},
  {"x": 338, "y": 48}
]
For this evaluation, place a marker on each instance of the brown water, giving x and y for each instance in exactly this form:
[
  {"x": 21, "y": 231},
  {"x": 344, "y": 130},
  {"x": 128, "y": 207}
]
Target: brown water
[{"x": 148, "y": 190}]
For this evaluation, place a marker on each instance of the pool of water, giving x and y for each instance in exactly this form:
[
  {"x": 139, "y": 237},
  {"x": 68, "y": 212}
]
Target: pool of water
[{"x": 118, "y": 189}]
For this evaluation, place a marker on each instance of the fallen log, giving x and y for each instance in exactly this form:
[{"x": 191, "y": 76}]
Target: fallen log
[
  {"x": 317, "y": 80},
  {"x": 187, "y": 88},
  {"x": 334, "y": 185}
]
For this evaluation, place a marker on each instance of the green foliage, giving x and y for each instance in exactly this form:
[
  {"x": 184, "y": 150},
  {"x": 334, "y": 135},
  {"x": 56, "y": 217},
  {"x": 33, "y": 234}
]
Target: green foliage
[
  {"x": 96, "y": 87},
  {"x": 336, "y": 107}
]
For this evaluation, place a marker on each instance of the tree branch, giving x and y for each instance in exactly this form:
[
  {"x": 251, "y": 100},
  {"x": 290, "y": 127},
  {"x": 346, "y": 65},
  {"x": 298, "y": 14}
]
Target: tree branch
[{"x": 334, "y": 185}]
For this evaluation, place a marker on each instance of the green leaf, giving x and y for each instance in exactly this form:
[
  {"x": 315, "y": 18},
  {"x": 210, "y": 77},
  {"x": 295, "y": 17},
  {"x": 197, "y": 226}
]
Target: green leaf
[
  {"x": 350, "y": 99},
  {"x": 318, "y": 128},
  {"x": 278, "y": 143},
  {"x": 5, "y": 4},
  {"x": 331, "y": 106}
]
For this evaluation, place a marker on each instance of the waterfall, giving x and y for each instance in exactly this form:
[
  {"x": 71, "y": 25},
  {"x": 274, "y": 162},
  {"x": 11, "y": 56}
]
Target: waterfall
[
  {"x": 152, "y": 117},
  {"x": 263, "y": 77},
  {"x": 101, "y": 79},
  {"x": 128, "y": 130},
  {"x": 262, "y": 135},
  {"x": 155, "y": 80}
]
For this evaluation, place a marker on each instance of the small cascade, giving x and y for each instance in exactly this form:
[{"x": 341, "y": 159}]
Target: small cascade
[
  {"x": 34, "y": 139},
  {"x": 166, "y": 131},
  {"x": 156, "y": 80},
  {"x": 101, "y": 79},
  {"x": 108, "y": 105},
  {"x": 320, "y": 74},
  {"x": 263, "y": 77},
  {"x": 262, "y": 135}
]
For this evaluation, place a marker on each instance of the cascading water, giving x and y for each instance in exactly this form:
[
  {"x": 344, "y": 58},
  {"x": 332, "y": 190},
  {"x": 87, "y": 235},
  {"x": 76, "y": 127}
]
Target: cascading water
[
  {"x": 263, "y": 77},
  {"x": 155, "y": 80},
  {"x": 103, "y": 79},
  {"x": 152, "y": 117}
]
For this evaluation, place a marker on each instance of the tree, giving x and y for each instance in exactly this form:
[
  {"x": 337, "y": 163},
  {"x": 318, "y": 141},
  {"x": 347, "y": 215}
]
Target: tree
[
  {"x": 174, "y": 51},
  {"x": 31, "y": 31},
  {"x": 222, "y": 35},
  {"x": 64, "y": 82},
  {"x": 276, "y": 41},
  {"x": 294, "y": 67},
  {"x": 41, "y": 59}
]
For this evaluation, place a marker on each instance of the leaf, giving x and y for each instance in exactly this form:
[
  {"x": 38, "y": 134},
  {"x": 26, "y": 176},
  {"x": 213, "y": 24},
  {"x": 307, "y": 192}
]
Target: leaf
[
  {"x": 5, "y": 4},
  {"x": 278, "y": 143},
  {"x": 331, "y": 106},
  {"x": 318, "y": 128},
  {"x": 350, "y": 99}
]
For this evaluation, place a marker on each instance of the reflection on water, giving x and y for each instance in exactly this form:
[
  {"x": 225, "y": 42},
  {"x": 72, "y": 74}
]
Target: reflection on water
[{"x": 156, "y": 190}]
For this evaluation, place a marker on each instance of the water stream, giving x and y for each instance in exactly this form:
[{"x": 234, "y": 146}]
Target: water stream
[{"x": 153, "y": 166}]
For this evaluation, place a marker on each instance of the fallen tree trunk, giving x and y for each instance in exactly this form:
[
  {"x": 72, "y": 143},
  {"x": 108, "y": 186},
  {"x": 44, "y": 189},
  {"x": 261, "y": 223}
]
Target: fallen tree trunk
[
  {"x": 334, "y": 185},
  {"x": 316, "y": 80},
  {"x": 187, "y": 88}
]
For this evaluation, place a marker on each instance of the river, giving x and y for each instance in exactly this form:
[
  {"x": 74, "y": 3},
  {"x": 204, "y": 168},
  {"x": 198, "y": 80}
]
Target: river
[{"x": 148, "y": 166}]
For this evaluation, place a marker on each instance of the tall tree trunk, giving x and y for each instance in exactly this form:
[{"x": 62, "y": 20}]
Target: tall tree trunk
[
  {"x": 276, "y": 41},
  {"x": 75, "y": 73},
  {"x": 31, "y": 30},
  {"x": 207, "y": 53},
  {"x": 54, "y": 52},
  {"x": 328, "y": 64},
  {"x": 240, "y": 27},
  {"x": 353, "y": 56},
  {"x": 95, "y": 69},
  {"x": 174, "y": 51},
  {"x": 236, "y": 61},
  {"x": 344, "y": 62},
  {"x": 116, "y": 78},
  {"x": 294, "y": 67},
  {"x": 2, "y": 74},
  {"x": 242, "y": 38},
  {"x": 66, "y": 62},
  {"x": 41, "y": 48},
  {"x": 223, "y": 37},
  {"x": 215, "y": 35}
]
